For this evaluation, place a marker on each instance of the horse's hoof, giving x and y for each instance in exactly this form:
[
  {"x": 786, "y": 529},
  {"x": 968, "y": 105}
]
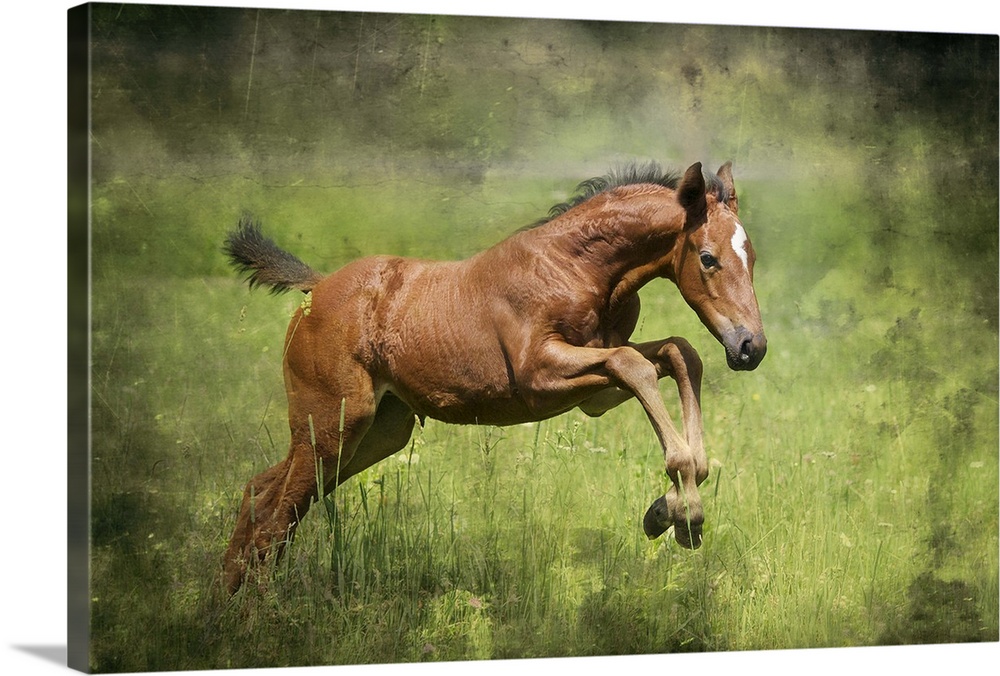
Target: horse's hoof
[
  {"x": 657, "y": 519},
  {"x": 689, "y": 538}
]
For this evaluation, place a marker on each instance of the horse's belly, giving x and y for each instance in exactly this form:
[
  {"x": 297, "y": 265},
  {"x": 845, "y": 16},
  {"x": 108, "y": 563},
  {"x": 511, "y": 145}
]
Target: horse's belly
[
  {"x": 478, "y": 412},
  {"x": 462, "y": 389}
]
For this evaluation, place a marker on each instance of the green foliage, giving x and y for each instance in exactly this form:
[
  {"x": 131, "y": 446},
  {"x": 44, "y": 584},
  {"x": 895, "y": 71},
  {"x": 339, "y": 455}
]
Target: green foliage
[{"x": 853, "y": 492}]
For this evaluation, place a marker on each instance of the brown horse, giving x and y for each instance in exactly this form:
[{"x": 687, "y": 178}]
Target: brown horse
[{"x": 530, "y": 328}]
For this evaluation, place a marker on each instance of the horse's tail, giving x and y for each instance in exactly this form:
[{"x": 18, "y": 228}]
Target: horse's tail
[{"x": 264, "y": 263}]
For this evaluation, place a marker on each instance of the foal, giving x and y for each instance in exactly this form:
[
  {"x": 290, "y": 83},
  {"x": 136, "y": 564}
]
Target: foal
[{"x": 530, "y": 328}]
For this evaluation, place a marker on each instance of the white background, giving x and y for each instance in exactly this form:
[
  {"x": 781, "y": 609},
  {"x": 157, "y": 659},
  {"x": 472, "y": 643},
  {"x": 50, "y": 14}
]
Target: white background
[{"x": 33, "y": 308}]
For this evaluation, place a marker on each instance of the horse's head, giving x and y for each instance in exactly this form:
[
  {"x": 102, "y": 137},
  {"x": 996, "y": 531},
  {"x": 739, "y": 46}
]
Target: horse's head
[{"x": 713, "y": 266}]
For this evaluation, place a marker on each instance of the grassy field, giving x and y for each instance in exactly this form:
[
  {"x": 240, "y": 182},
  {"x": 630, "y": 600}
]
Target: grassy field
[
  {"x": 852, "y": 500},
  {"x": 853, "y": 495}
]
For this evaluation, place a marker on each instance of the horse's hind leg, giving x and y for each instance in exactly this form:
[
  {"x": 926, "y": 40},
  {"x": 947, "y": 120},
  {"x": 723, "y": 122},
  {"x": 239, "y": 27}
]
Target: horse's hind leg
[
  {"x": 275, "y": 500},
  {"x": 389, "y": 433},
  {"x": 254, "y": 533}
]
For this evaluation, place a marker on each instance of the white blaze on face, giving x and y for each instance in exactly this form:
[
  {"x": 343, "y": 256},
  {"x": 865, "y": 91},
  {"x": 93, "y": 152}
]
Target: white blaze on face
[{"x": 739, "y": 241}]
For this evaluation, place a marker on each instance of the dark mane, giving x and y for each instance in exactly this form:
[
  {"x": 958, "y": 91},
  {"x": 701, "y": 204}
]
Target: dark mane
[{"x": 631, "y": 174}]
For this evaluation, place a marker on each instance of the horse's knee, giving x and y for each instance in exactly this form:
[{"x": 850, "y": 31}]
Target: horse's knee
[
  {"x": 680, "y": 353},
  {"x": 630, "y": 368},
  {"x": 693, "y": 360}
]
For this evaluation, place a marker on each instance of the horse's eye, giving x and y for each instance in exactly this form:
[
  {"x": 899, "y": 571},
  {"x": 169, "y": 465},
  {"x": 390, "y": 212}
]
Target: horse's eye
[{"x": 708, "y": 261}]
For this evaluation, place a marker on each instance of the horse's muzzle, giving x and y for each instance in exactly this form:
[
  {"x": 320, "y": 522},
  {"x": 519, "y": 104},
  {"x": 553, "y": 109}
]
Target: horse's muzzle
[{"x": 744, "y": 350}]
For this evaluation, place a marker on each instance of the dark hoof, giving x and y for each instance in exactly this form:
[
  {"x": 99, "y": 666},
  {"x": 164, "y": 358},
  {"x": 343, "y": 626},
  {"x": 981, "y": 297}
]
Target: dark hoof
[
  {"x": 689, "y": 538},
  {"x": 657, "y": 519}
]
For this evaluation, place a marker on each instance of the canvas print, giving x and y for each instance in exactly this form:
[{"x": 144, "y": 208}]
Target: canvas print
[{"x": 401, "y": 338}]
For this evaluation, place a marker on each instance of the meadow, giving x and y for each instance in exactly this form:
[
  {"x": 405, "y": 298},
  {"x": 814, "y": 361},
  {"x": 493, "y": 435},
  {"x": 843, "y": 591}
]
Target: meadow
[{"x": 853, "y": 495}]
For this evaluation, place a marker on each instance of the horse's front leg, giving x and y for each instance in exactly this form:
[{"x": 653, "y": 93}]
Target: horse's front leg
[
  {"x": 674, "y": 357},
  {"x": 634, "y": 371},
  {"x": 678, "y": 359}
]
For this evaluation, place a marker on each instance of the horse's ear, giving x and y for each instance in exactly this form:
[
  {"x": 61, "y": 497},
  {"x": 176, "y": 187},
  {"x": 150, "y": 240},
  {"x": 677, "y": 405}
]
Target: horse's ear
[
  {"x": 725, "y": 174},
  {"x": 691, "y": 195}
]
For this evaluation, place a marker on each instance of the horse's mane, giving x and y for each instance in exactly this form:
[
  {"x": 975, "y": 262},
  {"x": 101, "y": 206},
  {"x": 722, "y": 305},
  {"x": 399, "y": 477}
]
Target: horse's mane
[{"x": 632, "y": 173}]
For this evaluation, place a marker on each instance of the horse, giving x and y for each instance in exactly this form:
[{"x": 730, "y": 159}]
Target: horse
[{"x": 532, "y": 327}]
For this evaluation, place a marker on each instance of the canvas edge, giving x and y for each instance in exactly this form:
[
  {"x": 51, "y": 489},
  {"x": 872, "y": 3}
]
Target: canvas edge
[{"x": 78, "y": 339}]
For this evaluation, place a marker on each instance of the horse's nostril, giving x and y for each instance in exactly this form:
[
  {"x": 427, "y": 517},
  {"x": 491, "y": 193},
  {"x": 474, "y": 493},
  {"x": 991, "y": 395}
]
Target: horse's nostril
[{"x": 744, "y": 350}]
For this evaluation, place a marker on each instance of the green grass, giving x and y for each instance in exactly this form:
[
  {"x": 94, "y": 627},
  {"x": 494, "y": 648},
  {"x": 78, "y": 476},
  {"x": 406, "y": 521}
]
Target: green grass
[{"x": 852, "y": 499}]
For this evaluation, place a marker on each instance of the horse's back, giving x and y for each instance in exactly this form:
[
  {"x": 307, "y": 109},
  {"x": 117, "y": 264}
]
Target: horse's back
[{"x": 423, "y": 330}]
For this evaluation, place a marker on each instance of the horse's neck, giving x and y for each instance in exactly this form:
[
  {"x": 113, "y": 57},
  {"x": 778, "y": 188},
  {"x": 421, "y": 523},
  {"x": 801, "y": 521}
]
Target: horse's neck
[{"x": 625, "y": 245}]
